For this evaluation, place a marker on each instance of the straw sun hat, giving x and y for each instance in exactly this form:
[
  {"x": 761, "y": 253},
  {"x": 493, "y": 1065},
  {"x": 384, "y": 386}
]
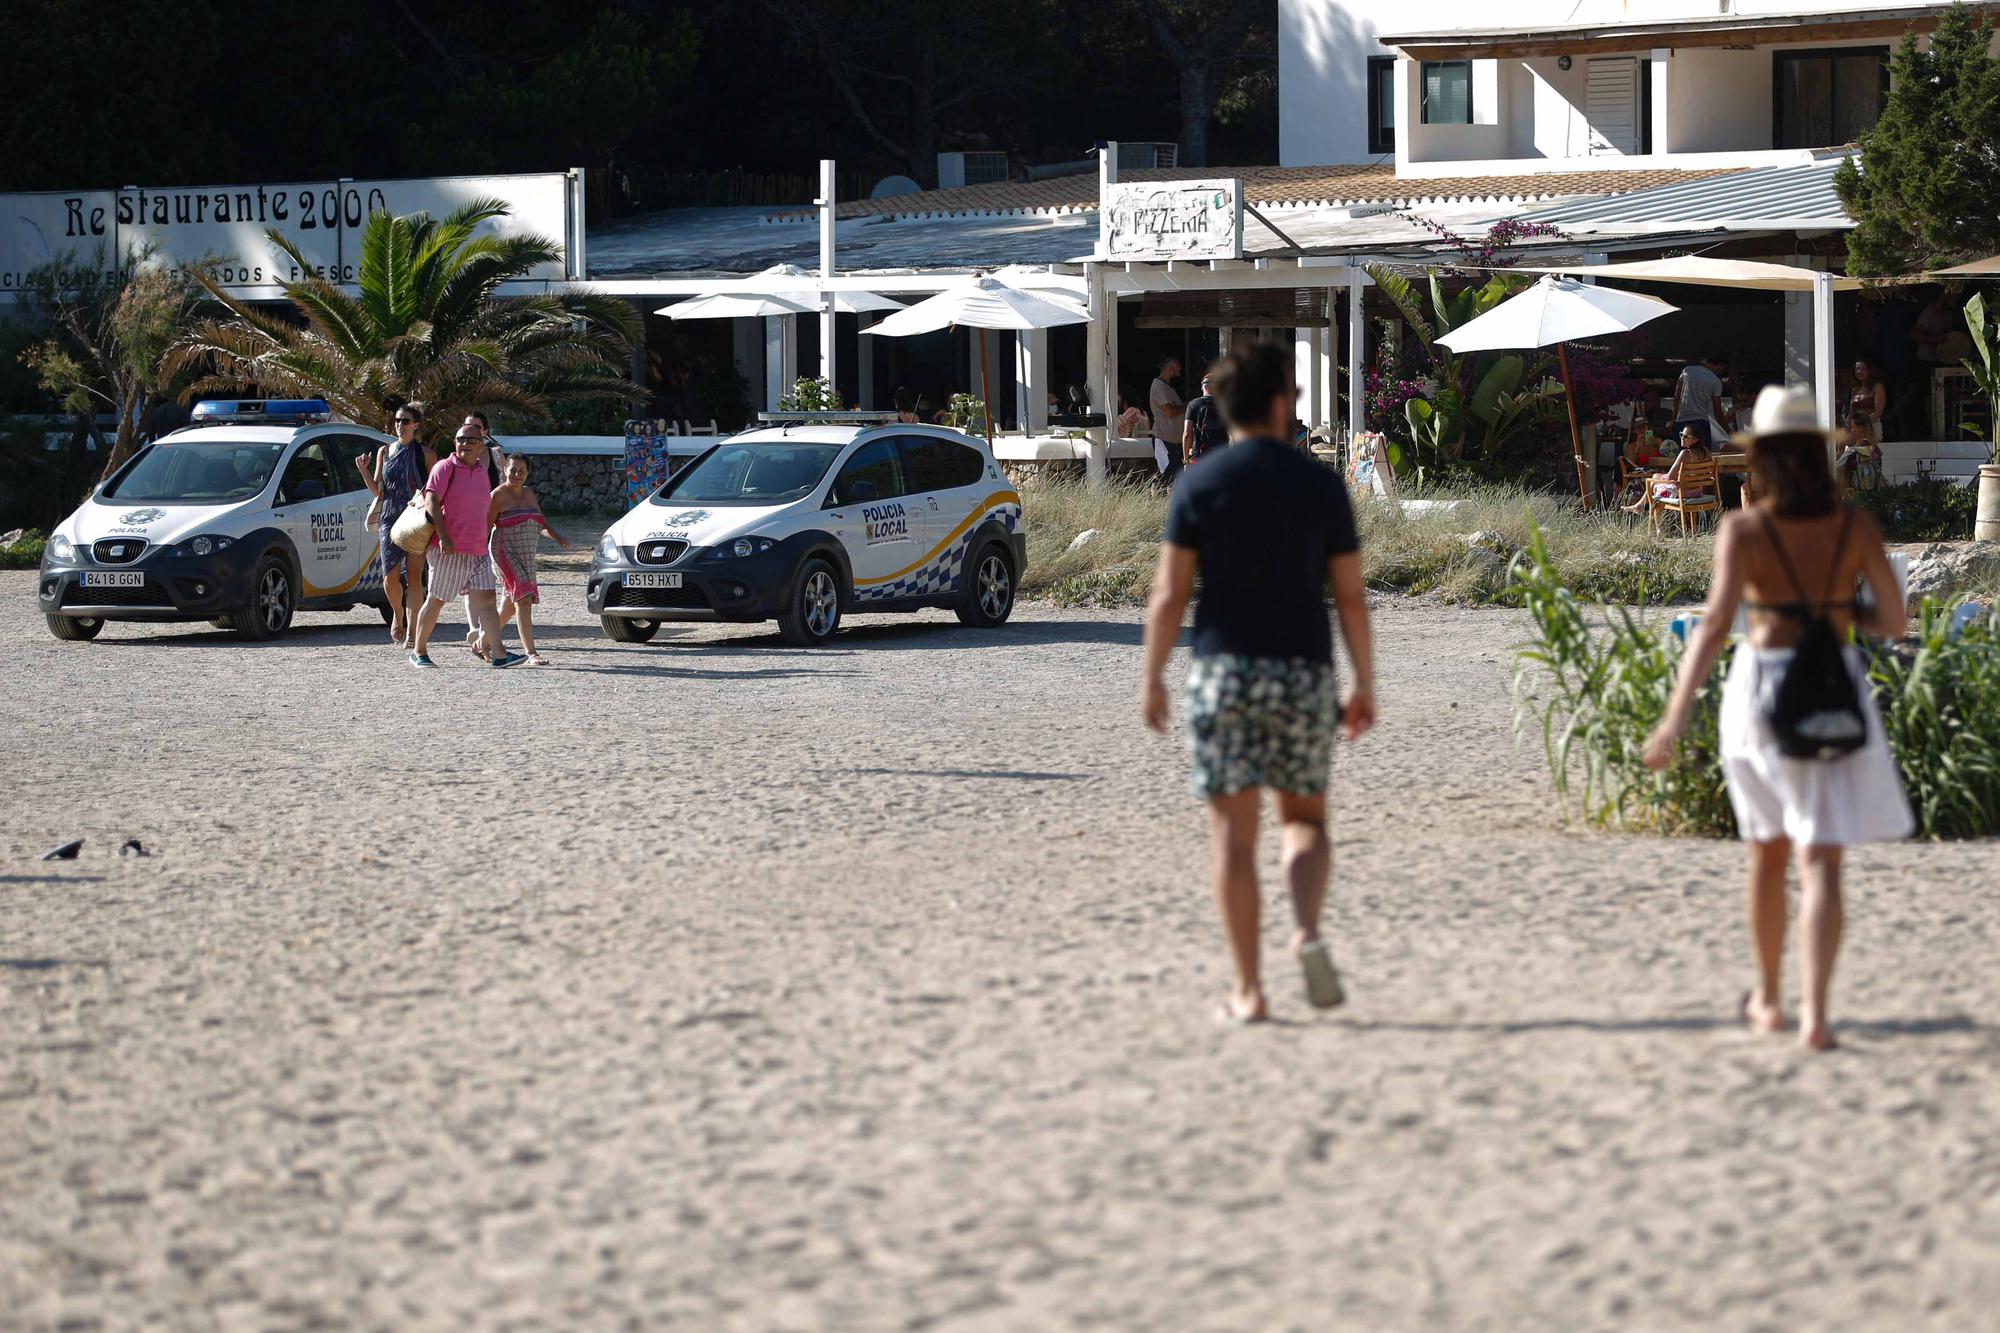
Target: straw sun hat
[{"x": 1783, "y": 410}]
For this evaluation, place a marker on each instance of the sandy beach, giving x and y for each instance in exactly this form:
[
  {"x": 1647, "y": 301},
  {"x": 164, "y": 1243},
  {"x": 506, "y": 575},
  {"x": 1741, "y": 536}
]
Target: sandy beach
[{"x": 720, "y": 985}]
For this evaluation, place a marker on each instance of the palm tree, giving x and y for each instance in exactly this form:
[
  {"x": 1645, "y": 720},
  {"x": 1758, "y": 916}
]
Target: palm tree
[{"x": 426, "y": 327}]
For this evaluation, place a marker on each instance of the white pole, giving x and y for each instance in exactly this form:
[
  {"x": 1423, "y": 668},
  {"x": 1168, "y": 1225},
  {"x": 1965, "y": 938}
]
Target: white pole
[
  {"x": 828, "y": 353},
  {"x": 1306, "y": 374},
  {"x": 1031, "y": 379},
  {"x": 1357, "y": 328},
  {"x": 775, "y": 383},
  {"x": 1097, "y": 376},
  {"x": 1822, "y": 293},
  {"x": 1328, "y": 342}
]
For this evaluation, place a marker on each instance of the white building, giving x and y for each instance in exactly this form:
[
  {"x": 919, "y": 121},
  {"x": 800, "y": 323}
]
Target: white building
[{"x": 1581, "y": 84}]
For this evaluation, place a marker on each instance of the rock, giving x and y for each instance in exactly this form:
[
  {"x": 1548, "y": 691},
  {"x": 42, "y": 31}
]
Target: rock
[
  {"x": 1945, "y": 568},
  {"x": 1085, "y": 538},
  {"x": 66, "y": 852},
  {"x": 1489, "y": 541},
  {"x": 9, "y": 538},
  {"x": 133, "y": 847}
]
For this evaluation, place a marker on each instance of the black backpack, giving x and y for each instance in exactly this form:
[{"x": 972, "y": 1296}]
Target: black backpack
[{"x": 1815, "y": 712}]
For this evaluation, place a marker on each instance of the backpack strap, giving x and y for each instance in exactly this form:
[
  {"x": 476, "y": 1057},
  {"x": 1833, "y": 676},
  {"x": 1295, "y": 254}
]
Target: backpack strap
[
  {"x": 1839, "y": 549},
  {"x": 1791, "y": 572}
]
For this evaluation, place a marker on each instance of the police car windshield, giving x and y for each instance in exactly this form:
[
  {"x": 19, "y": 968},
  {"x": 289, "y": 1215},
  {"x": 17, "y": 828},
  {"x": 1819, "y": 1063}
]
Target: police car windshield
[
  {"x": 209, "y": 472},
  {"x": 768, "y": 472}
]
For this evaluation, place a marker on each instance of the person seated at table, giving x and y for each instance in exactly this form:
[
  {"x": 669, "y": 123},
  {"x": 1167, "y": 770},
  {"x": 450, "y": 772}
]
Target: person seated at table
[
  {"x": 1642, "y": 447},
  {"x": 1133, "y": 424},
  {"x": 1860, "y": 463},
  {"x": 1694, "y": 449}
]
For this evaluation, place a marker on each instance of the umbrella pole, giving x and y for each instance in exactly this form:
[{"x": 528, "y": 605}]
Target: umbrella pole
[
  {"x": 985, "y": 390},
  {"x": 1575, "y": 436}
]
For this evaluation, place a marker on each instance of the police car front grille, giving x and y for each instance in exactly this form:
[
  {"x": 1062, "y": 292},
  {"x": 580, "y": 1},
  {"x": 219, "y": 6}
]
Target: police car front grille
[
  {"x": 150, "y": 595},
  {"x": 659, "y": 552},
  {"x": 687, "y": 598},
  {"x": 118, "y": 550}
]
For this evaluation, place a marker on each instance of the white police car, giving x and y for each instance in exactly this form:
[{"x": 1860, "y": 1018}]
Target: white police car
[
  {"x": 250, "y": 514},
  {"x": 804, "y": 521}
]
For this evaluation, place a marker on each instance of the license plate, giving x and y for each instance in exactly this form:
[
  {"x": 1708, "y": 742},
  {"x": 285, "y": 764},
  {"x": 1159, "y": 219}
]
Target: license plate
[
  {"x": 652, "y": 580},
  {"x": 113, "y": 578}
]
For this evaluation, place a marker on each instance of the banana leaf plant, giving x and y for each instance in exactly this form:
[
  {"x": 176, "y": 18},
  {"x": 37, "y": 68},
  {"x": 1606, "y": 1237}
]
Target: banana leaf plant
[
  {"x": 1986, "y": 370},
  {"x": 1482, "y": 389}
]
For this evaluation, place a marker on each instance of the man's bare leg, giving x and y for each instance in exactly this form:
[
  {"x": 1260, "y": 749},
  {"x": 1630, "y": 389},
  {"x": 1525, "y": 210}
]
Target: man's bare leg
[
  {"x": 1308, "y": 859},
  {"x": 433, "y": 608},
  {"x": 487, "y": 618},
  {"x": 1820, "y": 921},
  {"x": 1232, "y": 823},
  {"x": 1766, "y": 906}
]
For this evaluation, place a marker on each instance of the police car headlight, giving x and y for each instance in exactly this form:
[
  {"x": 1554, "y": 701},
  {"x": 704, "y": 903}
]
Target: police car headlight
[
  {"x": 742, "y": 548},
  {"x": 201, "y": 546},
  {"x": 607, "y": 550},
  {"x": 61, "y": 548}
]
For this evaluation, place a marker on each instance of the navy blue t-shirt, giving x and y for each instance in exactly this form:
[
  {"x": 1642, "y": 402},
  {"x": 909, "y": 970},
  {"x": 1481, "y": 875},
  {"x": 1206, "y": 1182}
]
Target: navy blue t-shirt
[{"x": 1264, "y": 518}]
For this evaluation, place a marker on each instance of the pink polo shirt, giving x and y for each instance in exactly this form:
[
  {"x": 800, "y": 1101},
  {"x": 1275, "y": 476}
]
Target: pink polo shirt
[{"x": 463, "y": 494}]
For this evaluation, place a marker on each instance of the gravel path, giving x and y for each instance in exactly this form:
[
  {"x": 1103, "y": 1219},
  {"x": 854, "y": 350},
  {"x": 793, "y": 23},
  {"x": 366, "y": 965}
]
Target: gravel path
[{"x": 719, "y": 985}]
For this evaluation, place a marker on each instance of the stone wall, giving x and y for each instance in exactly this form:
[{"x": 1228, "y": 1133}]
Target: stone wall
[{"x": 578, "y": 483}]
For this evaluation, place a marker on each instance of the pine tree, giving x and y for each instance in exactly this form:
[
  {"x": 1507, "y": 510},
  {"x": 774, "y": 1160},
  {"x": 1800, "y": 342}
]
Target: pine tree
[{"x": 1925, "y": 192}]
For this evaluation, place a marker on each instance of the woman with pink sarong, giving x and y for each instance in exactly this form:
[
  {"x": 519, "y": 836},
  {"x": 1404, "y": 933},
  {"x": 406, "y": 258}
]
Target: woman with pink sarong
[{"x": 518, "y": 529}]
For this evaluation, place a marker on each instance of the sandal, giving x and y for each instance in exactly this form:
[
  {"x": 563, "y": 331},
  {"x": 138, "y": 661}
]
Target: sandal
[{"x": 536, "y": 659}]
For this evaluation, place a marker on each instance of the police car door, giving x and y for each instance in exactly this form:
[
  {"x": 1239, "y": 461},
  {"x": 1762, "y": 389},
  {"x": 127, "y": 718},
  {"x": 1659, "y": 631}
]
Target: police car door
[
  {"x": 363, "y": 571},
  {"x": 867, "y": 509},
  {"x": 308, "y": 509},
  {"x": 949, "y": 475}
]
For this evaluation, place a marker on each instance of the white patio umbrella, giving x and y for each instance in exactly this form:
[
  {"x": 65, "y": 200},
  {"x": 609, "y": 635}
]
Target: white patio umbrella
[
  {"x": 729, "y": 305},
  {"x": 985, "y": 303},
  {"x": 792, "y": 283},
  {"x": 1558, "y": 310}
]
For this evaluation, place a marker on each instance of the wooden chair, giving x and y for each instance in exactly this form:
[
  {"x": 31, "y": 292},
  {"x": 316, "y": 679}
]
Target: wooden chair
[{"x": 1694, "y": 477}]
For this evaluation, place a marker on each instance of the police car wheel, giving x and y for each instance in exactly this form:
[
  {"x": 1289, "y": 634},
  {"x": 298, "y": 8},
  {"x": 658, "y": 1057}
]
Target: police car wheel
[
  {"x": 271, "y": 613},
  {"x": 989, "y": 588},
  {"x": 74, "y": 629},
  {"x": 812, "y": 612},
  {"x": 623, "y": 629}
]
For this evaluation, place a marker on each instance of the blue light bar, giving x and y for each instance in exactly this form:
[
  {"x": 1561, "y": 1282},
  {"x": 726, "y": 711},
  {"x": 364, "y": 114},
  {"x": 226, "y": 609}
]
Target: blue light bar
[{"x": 284, "y": 411}]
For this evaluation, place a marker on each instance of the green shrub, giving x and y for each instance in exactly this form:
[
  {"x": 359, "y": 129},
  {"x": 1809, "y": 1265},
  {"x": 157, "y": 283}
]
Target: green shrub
[
  {"x": 1594, "y": 681},
  {"x": 1922, "y": 511},
  {"x": 23, "y": 554}
]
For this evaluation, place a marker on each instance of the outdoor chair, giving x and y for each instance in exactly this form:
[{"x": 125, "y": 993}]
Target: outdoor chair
[
  {"x": 1632, "y": 481},
  {"x": 1704, "y": 477}
]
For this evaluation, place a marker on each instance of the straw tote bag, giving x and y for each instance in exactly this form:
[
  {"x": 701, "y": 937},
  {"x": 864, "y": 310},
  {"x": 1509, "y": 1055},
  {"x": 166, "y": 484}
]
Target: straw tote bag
[{"x": 413, "y": 527}]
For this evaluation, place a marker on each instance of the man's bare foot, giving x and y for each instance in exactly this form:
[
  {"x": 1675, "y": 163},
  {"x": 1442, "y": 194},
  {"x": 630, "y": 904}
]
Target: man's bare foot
[
  {"x": 1245, "y": 1007},
  {"x": 1759, "y": 1016},
  {"x": 1815, "y": 1033}
]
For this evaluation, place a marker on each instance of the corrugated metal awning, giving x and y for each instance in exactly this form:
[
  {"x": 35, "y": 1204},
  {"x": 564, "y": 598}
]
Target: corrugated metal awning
[
  {"x": 1725, "y": 30},
  {"x": 1798, "y": 198}
]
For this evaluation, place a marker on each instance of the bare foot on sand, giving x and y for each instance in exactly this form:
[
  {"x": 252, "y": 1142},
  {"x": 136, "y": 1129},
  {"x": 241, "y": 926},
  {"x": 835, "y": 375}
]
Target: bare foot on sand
[
  {"x": 1760, "y": 1016},
  {"x": 1244, "y": 1007},
  {"x": 1815, "y": 1033}
]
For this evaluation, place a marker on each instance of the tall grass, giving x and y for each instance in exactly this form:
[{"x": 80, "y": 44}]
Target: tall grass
[
  {"x": 1594, "y": 681},
  {"x": 1602, "y": 555}
]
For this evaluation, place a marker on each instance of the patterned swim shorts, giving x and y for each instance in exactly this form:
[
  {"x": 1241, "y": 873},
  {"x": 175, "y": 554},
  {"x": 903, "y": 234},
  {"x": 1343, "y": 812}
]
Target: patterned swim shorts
[
  {"x": 459, "y": 573},
  {"x": 1260, "y": 722}
]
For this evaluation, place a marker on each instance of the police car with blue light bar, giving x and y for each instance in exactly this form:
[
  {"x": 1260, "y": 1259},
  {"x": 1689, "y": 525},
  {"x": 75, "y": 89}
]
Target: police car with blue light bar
[
  {"x": 809, "y": 518},
  {"x": 252, "y": 513}
]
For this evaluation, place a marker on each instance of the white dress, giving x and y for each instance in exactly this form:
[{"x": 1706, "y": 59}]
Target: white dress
[{"x": 1812, "y": 802}]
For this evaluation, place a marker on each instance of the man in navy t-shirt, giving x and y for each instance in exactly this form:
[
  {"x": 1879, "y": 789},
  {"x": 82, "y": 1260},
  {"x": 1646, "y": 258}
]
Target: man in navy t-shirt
[{"x": 1267, "y": 529}]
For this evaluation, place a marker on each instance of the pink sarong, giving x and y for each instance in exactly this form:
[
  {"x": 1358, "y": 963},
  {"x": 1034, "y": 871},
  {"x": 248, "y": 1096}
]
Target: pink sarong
[{"x": 517, "y": 536}]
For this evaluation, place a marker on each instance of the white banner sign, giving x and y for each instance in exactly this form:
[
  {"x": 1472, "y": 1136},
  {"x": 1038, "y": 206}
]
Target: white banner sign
[
  {"x": 1172, "y": 220},
  {"x": 226, "y": 224}
]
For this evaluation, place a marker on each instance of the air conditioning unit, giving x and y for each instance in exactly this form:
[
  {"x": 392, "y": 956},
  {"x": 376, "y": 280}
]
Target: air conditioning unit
[
  {"x": 1148, "y": 156},
  {"x": 956, "y": 169}
]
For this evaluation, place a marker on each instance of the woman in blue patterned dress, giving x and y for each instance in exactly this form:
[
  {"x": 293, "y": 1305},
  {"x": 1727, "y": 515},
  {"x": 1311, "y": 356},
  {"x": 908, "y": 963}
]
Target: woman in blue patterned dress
[{"x": 398, "y": 473}]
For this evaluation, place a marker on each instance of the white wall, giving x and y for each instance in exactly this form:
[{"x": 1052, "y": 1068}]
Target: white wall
[
  {"x": 1324, "y": 46},
  {"x": 1717, "y": 101}
]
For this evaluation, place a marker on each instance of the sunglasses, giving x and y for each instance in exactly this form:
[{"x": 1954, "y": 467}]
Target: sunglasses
[
  {"x": 406, "y": 421},
  {"x": 465, "y": 439}
]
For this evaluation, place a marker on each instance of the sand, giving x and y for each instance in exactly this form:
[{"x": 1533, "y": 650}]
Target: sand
[{"x": 720, "y": 985}]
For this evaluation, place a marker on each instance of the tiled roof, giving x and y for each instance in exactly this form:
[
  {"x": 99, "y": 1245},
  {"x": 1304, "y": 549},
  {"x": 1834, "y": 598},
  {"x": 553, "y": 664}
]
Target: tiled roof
[{"x": 1275, "y": 186}]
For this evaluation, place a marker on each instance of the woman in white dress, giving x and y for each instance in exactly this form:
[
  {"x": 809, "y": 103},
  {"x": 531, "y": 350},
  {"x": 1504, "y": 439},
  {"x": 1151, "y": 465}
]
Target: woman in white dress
[{"x": 1798, "y": 542}]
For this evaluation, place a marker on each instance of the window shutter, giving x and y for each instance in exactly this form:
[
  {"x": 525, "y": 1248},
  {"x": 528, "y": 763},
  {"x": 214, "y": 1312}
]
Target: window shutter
[{"x": 1611, "y": 105}]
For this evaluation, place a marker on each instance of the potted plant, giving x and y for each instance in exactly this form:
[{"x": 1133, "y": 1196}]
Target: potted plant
[{"x": 1985, "y": 371}]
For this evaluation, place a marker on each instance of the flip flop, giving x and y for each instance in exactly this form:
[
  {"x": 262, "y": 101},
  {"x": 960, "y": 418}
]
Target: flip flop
[{"x": 1322, "y": 981}]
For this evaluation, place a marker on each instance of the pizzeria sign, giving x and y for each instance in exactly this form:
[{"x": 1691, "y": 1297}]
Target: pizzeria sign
[{"x": 1184, "y": 219}]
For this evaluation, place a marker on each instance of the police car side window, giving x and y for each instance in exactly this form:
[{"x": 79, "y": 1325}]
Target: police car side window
[
  {"x": 307, "y": 470},
  {"x": 345, "y": 449},
  {"x": 875, "y": 463},
  {"x": 927, "y": 463}
]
